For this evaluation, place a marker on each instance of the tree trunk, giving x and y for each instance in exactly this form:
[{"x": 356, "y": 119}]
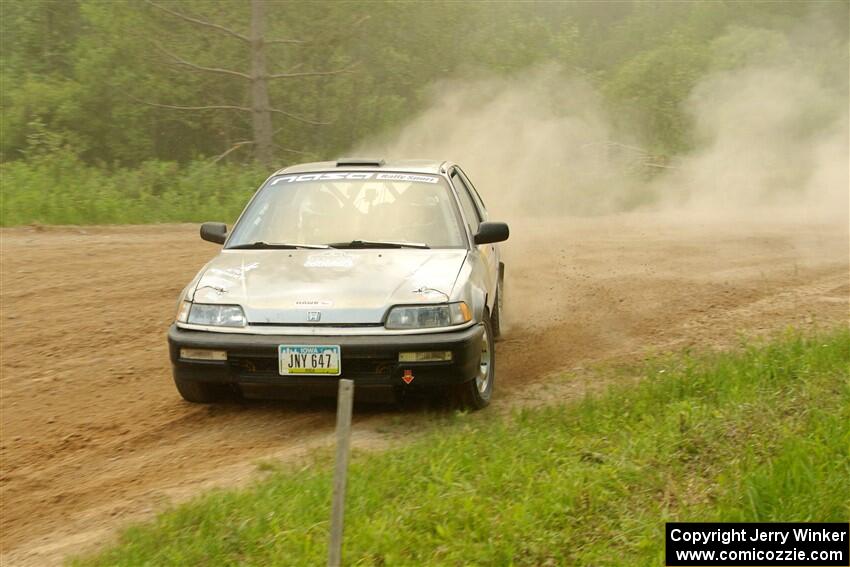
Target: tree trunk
[{"x": 260, "y": 113}]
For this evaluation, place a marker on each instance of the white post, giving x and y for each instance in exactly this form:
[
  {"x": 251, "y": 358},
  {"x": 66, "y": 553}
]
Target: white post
[{"x": 343, "y": 445}]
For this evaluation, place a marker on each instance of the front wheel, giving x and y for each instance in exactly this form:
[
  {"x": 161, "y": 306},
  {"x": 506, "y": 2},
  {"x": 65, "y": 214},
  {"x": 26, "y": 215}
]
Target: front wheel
[{"x": 475, "y": 394}]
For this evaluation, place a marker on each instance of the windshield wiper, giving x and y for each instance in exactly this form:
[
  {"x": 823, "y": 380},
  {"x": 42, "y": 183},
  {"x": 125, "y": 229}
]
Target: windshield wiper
[
  {"x": 378, "y": 244},
  {"x": 275, "y": 246}
]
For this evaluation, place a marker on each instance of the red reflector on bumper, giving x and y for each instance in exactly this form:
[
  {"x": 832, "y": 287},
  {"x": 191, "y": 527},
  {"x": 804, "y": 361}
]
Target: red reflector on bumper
[{"x": 408, "y": 376}]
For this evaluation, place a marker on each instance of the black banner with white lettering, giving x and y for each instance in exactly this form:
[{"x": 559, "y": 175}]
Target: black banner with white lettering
[{"x": 694, "y": 544}]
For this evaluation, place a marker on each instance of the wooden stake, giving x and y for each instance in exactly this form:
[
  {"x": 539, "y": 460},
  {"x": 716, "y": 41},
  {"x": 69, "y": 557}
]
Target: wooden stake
[{"x": 343, "y": 446}]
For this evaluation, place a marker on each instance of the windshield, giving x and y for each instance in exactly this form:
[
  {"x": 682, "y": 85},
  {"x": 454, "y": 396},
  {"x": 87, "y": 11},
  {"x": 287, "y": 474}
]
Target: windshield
[{"x": 351, "y": 208}]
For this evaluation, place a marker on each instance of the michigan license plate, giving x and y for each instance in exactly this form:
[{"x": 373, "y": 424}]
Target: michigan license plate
[{"x": 307, "y": 360}]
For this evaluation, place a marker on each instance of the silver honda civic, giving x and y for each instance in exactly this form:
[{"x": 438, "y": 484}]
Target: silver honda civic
[{"x": 386, "y": 273}]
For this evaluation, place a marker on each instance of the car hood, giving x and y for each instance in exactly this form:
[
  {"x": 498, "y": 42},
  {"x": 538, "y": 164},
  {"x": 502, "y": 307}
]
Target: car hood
[{"x": 346, "y": 287}]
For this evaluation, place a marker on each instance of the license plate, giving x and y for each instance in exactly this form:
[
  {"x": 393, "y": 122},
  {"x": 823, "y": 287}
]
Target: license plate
[{"x": 308, "y": 360}]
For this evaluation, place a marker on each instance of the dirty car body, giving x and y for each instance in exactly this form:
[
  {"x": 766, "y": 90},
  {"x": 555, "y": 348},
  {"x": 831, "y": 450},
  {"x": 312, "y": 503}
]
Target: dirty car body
[{"x": 385, "y": 273}]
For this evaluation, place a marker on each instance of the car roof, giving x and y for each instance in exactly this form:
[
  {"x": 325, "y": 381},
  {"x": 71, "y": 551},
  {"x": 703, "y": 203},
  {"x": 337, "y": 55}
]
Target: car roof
[{"x": 411, "y": 165}]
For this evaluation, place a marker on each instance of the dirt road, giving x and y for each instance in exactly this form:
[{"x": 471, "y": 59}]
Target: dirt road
[{"x": 94, "y": 434}]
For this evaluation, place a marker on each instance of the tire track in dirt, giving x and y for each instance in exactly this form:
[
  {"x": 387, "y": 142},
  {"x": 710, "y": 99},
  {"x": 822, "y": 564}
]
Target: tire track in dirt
[{"x": 94, "y": 435}]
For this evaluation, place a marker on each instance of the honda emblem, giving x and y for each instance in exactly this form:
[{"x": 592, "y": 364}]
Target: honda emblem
[{"x": 314, "y": 316}]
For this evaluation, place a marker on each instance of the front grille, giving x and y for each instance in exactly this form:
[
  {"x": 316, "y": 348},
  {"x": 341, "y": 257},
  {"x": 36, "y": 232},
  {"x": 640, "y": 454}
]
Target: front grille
[{"x": 253, "y": 365}]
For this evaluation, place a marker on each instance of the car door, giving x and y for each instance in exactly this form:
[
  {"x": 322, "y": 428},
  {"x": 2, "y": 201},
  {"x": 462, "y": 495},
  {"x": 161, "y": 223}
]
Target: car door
[{"x": 474, "y": 214}]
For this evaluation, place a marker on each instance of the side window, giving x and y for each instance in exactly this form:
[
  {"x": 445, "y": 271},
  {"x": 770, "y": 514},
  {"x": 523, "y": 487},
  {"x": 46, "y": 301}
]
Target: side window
[
  {"x": 466, "y": 203},
  {"x": 475, "y": 196}
]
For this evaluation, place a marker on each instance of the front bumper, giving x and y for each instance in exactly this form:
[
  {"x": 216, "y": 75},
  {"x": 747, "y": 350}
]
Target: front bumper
[{"x": 371, "y": 361}]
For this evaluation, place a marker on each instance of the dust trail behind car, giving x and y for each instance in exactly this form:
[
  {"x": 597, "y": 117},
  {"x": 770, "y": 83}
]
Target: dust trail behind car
[
  {"x": 769, "y": 130},
  {"x": 770, "y": 151}
]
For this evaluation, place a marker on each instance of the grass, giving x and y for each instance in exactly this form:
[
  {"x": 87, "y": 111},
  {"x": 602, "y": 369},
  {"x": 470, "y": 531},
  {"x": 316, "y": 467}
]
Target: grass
[
  {"x": 59, "y": 189},
  {"x": 759, "y": 434}
]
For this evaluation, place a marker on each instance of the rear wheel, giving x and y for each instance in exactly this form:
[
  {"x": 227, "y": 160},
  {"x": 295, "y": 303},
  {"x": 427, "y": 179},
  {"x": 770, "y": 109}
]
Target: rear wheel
[
  {"x": 201, "y": 392},
  {"x": 476, "y": 393}
]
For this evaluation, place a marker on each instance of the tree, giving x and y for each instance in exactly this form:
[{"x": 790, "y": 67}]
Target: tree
[{"x": 257, "y": 77}]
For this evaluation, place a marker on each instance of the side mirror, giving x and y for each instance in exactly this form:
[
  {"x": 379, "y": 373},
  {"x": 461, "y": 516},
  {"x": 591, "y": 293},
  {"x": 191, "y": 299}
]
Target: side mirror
[
  {"x": 214, "y": 232},
  {"x": 489, "y": 232}
]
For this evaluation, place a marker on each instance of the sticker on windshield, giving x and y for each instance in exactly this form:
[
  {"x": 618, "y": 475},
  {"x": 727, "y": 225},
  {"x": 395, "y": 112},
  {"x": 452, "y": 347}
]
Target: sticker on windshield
[
  {"x": 358, "y": 175},
  {"x": 406, "y": 177}
]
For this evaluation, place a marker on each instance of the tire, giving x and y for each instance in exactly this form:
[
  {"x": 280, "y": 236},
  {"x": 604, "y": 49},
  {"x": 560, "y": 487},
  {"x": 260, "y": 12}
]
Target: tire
[
  {"x": 201, "y": 392},
  {"x": 476, "y": 393}
]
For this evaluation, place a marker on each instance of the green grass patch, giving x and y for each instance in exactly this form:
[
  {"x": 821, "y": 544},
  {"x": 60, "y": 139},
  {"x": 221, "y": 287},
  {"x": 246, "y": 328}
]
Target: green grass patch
[
  {"x": 759, "y": 434},
  {"x": 59, "y": 189}
]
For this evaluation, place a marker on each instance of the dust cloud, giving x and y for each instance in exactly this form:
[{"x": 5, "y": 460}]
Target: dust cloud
[
  {"x": 533, "y": 143},
  {"x": 767, "y": 161},
  {"x": 769, "y": 137},
  {"x": 769, "y": 134}
]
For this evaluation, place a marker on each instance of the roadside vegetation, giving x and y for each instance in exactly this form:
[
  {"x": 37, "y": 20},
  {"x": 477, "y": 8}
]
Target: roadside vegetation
[
  {"x": 758, "y": 434},
  {"x": 60, "y": 189}
]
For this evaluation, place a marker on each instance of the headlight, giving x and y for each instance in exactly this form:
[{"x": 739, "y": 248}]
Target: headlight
[
  {"x": 216, "y": 315},
  {"x": 427, "y": 316}
]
